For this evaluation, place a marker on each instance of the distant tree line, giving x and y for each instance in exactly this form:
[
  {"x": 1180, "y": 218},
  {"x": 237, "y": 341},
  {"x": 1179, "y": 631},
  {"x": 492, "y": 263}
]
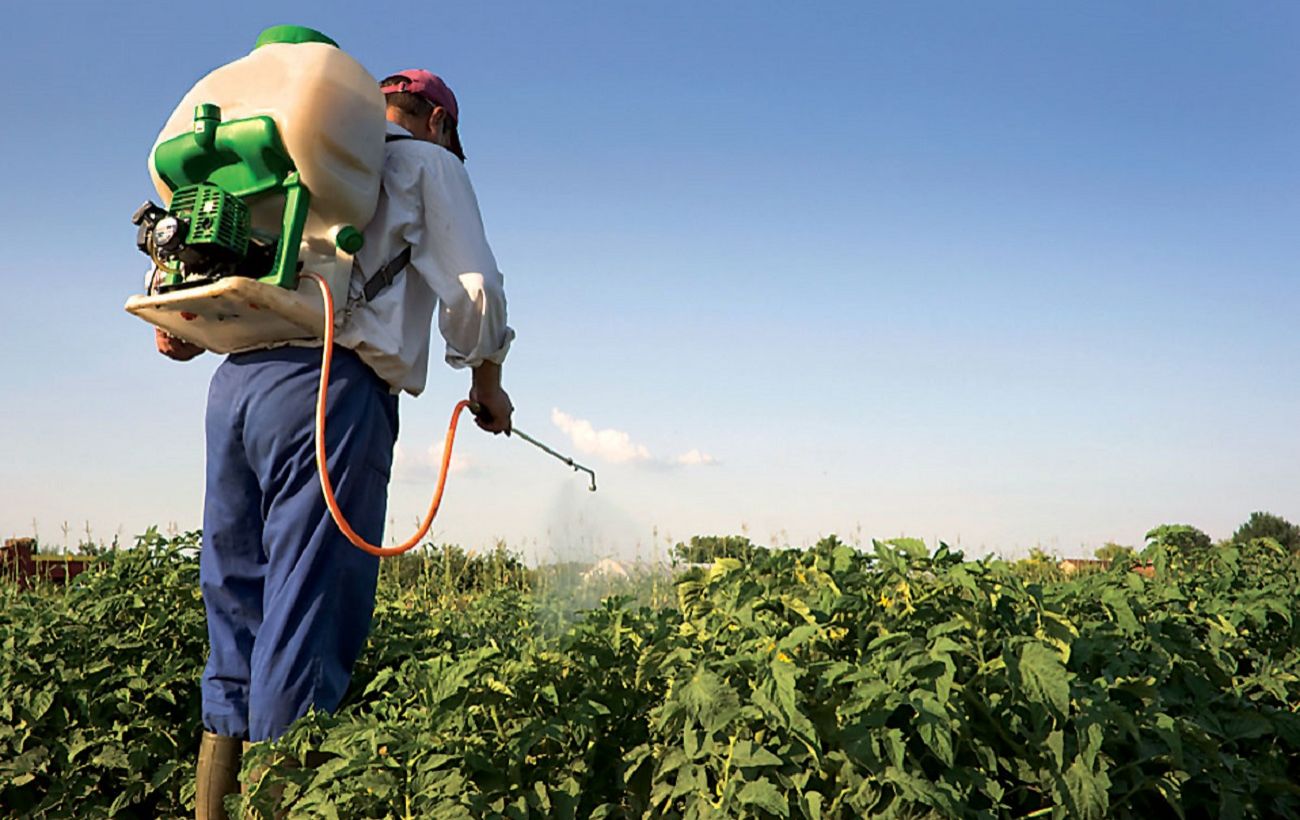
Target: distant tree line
[
  {"x": 1188, "y": 540},
  {"x": 1182, "y": 538}
]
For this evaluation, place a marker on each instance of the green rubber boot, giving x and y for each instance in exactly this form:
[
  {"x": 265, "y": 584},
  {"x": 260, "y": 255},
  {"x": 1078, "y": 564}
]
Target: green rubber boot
[{"x": 218, "y": 775}]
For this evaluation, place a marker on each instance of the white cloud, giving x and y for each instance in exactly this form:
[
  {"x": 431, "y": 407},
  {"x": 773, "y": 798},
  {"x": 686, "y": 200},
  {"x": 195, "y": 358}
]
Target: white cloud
[
  {"x": 694, "y": 458},
  {"x": 616, "y": 446},
  {"x": 423, "y": 467},
  {"x": 610, "y": 445}
]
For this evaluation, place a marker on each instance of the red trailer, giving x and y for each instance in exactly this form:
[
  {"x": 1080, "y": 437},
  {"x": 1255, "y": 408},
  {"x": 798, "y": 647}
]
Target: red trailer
[{"x": 19, "y": 562}]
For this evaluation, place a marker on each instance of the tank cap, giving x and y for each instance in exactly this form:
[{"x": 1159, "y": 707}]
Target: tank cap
[
  {"x": 292, "y": 34},
  {"x": 349, "y": 239}
]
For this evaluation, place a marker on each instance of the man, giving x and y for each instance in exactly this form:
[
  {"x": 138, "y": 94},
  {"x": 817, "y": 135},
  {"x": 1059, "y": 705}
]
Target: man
[{"x": 288, "y": 598}]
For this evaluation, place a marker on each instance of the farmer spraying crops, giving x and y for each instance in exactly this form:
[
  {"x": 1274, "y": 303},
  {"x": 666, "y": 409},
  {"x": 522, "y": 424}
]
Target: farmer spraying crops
[{"x": 288, "y": 598}]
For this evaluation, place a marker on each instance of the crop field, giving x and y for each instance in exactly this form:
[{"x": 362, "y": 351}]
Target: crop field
[{"x": 831, "y": 682}]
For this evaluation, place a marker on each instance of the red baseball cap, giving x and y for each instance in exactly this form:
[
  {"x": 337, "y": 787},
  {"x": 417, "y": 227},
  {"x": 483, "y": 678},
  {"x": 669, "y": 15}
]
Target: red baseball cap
[{"x": 428, "y": 85}]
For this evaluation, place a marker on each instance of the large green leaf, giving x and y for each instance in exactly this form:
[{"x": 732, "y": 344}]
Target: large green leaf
[
  {"x": 746, "y": 753},
  {"x": 762, "y": 794},
  {"x": 1042, "y": 677},
  {"x": 1088, "y": 791},
  {"x": 934, "y": 725}
]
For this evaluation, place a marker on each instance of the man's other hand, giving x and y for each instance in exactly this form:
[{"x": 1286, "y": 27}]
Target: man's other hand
[
  {"x": 495, "y": 409},
  {"x": 174, "y": 348},
  {"x": 494, "y": 404}
]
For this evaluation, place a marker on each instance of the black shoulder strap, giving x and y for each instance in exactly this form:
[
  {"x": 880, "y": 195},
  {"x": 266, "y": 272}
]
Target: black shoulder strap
[{"x": 387, "y": 274}]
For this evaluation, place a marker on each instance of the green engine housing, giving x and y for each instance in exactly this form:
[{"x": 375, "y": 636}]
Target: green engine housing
[
  {"x": 213, "y": 172},
  {"x": 219, "y": 222}
]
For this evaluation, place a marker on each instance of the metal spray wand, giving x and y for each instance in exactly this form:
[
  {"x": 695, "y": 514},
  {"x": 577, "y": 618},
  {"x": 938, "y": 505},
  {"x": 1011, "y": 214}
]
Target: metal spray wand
[{"x": 478, "y": 411}]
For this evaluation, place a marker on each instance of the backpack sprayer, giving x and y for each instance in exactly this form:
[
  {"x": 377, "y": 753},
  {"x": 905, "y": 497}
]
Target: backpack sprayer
[{"x": 268, "y": 184}]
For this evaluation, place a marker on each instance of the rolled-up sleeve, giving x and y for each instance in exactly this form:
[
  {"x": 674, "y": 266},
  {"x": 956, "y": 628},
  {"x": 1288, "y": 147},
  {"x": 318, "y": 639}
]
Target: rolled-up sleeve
[{"x": 452, "y": 255}]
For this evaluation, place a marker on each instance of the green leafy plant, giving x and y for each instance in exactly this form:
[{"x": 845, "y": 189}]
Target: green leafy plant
[
  {"x": 99, "y": 698},
  {"x": 821, "y": 683}
]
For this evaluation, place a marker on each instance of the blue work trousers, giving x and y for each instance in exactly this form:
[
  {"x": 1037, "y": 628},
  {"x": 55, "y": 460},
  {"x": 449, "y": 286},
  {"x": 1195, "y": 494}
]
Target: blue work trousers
[{"x": 288, "y": 598}]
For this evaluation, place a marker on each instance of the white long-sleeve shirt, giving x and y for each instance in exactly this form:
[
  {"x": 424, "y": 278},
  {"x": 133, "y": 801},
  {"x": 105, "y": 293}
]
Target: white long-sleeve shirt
[{"x": 426, "y": 201}]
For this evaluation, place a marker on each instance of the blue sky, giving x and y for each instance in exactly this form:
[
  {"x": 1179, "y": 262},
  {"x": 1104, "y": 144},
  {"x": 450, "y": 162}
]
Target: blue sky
[{"x": 1003, "y": 274}]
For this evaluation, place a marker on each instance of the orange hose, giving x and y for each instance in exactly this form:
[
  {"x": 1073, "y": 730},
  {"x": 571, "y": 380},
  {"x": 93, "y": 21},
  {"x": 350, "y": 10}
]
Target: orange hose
[{"x": 327, "y": 487}]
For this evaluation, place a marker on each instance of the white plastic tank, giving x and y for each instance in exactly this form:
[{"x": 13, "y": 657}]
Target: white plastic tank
[
  {"x": 329, "y": 112},
  {"x": 330, "y": 115}
]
